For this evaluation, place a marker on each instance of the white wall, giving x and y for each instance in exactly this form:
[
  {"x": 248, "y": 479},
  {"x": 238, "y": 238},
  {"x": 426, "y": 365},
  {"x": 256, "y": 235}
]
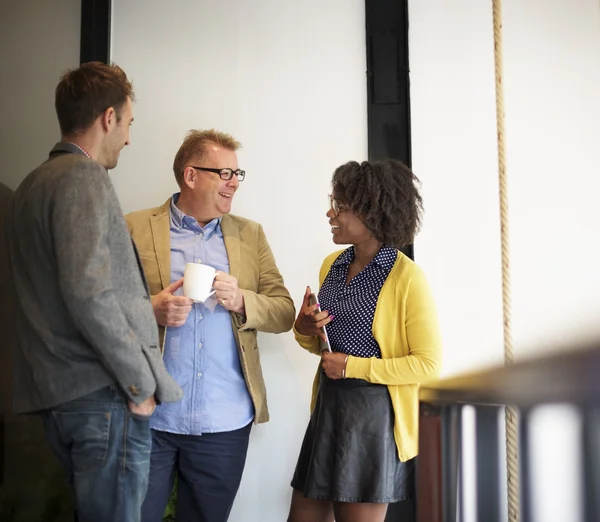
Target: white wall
[
  {"x": 287, "y": 79},
  {"x": 454, "y": 154},
  {"x": 39, "y": 40},
  {"x": 553, "y": 117},
  {"x": 552, "y": 75}
]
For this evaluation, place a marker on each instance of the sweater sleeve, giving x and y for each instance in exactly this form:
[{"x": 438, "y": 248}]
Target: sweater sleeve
[{"x": 422, "y": 364}]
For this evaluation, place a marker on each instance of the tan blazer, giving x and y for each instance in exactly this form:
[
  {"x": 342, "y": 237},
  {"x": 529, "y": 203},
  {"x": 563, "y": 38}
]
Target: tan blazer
[{"x": 269, "y": 307}]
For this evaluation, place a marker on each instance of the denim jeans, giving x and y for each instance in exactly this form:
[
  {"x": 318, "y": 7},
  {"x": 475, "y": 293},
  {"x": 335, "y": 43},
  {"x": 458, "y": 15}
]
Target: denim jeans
[
  {"x": 209, "y": 468},
  {"x": 105, "y": 450}
]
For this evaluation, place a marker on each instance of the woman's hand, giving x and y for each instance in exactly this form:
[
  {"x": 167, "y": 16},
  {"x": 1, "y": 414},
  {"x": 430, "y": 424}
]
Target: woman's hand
[
  {"x": 334, "y": 364},
  {"x": 309, "y": 322}
]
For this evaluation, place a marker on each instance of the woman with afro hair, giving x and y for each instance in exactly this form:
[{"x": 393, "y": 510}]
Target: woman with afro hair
[{"x": 359, "y": 448}]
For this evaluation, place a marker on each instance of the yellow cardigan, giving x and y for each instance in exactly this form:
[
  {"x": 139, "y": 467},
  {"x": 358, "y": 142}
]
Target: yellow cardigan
[{"x": 406, "y": 327}]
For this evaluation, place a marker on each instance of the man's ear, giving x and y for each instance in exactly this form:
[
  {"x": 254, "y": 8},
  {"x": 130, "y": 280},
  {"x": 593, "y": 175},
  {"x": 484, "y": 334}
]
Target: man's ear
[
  {"x": 109, "y": 119},
  {"x": 189, "y": 177}
]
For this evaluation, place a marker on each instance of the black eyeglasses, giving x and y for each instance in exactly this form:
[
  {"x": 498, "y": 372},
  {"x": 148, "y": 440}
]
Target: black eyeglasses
[{"x": 225, "y": 174}]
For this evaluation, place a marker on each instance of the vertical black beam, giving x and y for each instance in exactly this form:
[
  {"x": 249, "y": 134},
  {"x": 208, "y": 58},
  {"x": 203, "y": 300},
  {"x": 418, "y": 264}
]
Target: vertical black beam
[
  {"x": 388, "y": 84},
  {"x": 525, "y": 484},
  {"x": 388, "y": 79},
  {"x": 3, "y": 427},
  {"x": 488, "y": 464},
  {"x": 388, "y": 107},
  {"x": 95, "y": 31},
  {"x": 590, "y": 455},
  {"x": 451, "y": 443}
]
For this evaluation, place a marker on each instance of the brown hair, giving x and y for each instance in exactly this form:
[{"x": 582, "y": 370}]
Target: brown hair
[
  {"x": 193, "y": 148},
  {"x": 85, "y": 93},
  {"x": 384, "y": 195}
]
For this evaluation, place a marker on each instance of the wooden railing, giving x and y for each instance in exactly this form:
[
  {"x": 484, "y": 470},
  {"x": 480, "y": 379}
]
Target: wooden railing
[{"x": 571, "y": 376}]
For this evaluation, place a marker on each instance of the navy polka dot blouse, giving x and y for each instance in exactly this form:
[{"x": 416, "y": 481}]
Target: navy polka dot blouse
[{"x": 353, "y": 305}]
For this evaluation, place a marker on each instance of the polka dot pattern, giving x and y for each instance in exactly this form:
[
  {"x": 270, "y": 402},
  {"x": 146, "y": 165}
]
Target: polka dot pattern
[{"x": 353, "y": 305}]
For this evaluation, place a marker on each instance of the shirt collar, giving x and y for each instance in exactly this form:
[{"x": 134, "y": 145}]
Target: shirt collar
[
  {"x": 381, "y": 259},
  {"x": 80, "y": 148},
  {"x": 179, "y": 219},
  {"x": 345, "y": 258},
  {"x": 386, "y": 257},
  {"x": 63, "y": 147}
]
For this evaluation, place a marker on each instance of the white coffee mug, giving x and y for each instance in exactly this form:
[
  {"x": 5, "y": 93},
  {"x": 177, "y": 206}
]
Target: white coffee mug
[{"x": 197, "y": 281}]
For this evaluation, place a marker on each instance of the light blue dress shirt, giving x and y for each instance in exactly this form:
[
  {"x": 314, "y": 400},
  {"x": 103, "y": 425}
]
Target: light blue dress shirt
[{"x": 202, "y": 355}]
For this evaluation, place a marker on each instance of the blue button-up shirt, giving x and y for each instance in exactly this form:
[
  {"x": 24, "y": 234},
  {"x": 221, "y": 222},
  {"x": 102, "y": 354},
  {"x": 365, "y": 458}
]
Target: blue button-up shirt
[{"x": 202, "y": 354}]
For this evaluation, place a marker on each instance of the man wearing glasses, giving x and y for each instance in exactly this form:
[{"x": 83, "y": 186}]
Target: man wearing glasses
[{"x": 209, "y": 348}]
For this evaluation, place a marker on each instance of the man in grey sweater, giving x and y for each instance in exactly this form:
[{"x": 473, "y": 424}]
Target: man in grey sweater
[{"x": 87, "y": 355}]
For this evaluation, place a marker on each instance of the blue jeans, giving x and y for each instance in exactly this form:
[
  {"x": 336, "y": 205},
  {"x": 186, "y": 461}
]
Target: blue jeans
[
  {"x": 105, "y": 450},
  {"x": 209, "y": 468}
]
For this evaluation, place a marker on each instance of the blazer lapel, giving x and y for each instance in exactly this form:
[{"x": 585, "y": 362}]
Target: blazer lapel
[
  {"x": 161, "y": 235},
  {"x": 231, "y": 236}
]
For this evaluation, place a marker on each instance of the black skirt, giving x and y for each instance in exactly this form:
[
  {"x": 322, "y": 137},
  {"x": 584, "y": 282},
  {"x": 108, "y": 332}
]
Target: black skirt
[{"x": 349, "y": 453}]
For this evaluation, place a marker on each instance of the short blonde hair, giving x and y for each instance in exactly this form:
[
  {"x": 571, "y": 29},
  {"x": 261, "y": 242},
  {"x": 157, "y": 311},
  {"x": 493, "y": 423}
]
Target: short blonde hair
[{"x": 194, "y": 148}]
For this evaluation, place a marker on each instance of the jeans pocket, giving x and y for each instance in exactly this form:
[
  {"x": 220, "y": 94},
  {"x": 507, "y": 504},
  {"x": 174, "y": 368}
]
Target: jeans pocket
[{"x": 87, "y": 433}]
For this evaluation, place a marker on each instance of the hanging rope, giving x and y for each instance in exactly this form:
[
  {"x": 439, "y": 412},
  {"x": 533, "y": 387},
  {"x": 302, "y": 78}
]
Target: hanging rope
[{"x": 512, "y": 463}]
